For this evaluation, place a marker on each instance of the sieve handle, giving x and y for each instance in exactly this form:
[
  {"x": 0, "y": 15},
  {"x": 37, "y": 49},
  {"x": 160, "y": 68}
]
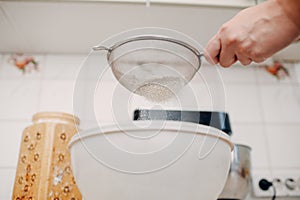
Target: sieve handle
[
  {"x": 101, "y": 48},
  {"x": 201, "y": 55}
]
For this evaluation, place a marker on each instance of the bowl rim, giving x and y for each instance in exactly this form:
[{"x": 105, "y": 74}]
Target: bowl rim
[{"x": 186, "y": 127}]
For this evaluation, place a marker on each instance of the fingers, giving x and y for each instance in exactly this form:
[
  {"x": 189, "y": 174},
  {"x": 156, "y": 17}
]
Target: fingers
[
  {"x": 227, "y": 55},
  {"x": 244, "y": 60},
  {"x": 216, "y": 52},
  {"x": 212, "y": 50},
  {"x": 259, "y": 59}
]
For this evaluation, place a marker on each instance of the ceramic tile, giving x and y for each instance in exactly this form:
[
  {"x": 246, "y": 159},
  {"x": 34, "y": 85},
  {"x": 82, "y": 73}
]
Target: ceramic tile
[
  {"x": 201, "y": 97},
  {"x": 19, "y": 99},
  {"x": 264, "y": 77},
  {"x": 105, "y": 102},
  {"x": 254, "y": 136},
  {"x": 95, "y": 67},
  {"x": 56, "y": 95},
  {"x": 11, "y": 132},
  {"x": 238, "y": 74},
  {"x": 243, "y": 103},
  {"x": 111, "y": 104},
  {"x": 83, "y": 103},
  {"x": 93, "y": 101},
  {"x": 63, "y": 66},
  {"x": 284, "y": 145},
  {"x": 114, "y": 102},
  {"x": 208, "y": 74},
  {"x": 7, "y": 177},
  {"x": 206, "y": 91},
  {"x": 9, "y": 71},
  {"x": 280, "y": 103}
]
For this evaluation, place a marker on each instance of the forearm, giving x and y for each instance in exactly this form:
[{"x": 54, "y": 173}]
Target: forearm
[{"x": 292, "y": 10}]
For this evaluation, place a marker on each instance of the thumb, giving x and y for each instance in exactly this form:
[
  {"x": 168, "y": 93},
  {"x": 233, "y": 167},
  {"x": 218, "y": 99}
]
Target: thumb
[{"x": 212, "y": 50}]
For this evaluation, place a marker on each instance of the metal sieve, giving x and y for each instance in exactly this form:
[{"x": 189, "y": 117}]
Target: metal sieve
[{"x": 152, "y": 60}]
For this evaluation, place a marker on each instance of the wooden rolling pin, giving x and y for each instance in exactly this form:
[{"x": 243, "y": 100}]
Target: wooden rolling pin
[{"x": 44, "y": 170}]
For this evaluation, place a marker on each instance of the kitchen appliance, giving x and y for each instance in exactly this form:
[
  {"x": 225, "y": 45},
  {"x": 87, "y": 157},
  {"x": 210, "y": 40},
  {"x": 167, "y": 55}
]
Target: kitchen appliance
[
  {"x": 156, "y": 160},
  {"x": 238, "y": 182},
  {"x": 219, "y": 120},
  {"x": 44, "y": 168}
]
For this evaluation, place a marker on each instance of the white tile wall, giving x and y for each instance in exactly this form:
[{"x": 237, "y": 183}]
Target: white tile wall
[
  {"x": 238, "y": 74},
  {"x": 56, "y": 95},
  {"x": 63, "y": 67},
  {"x": 284, "y": 145},
  {"x": 264, "y": 77},
  {"x": 11, "y": 132},
  {"x": 7, "y": 177},
  {"x": 243, "y": 102},
  {"x": 265, "y": 113},
  {"x": 207, "y": 88},
  {"x": 202, "y": 97},
  {"x": 254, "y": 136},
  {"x": 280, "y": 103},
  {"x": 9, "y": 71},
  {"x": 19, "y": 98}
]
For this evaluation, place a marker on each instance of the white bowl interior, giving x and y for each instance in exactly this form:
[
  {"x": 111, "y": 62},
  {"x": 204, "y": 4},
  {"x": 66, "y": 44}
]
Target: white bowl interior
[{"x": 157, "y": 160}]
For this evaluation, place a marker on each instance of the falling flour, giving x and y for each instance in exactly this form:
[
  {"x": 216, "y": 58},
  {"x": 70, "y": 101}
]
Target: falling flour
[{"x": 159, "y": 90}]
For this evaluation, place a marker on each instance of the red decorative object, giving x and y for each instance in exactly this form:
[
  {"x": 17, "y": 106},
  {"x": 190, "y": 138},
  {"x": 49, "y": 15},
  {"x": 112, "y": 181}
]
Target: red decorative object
[
  {"x": 277, "y": 69},
  {"x": 24, "y": 63}
]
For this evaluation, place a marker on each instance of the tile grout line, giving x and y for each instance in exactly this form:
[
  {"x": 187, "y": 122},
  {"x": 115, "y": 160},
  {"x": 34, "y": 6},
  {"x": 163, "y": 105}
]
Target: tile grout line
[
  {"x": 264, "y": 125},
  {"x": 41, "y": 80}
]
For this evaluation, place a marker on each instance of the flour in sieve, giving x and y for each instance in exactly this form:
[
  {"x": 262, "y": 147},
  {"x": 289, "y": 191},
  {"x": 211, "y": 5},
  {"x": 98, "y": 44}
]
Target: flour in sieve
[{"x": 162, "y": 89}]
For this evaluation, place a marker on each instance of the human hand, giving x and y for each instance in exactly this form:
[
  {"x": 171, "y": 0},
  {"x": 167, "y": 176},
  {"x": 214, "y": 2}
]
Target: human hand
[{"x": 254, "y": 34}]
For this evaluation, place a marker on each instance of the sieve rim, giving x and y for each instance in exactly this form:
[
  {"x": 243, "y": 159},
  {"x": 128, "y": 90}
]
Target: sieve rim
[{"x": 150, "y": 37}]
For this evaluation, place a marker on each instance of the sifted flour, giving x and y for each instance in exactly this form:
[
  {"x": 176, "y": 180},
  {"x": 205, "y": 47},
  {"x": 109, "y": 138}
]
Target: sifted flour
[{"x": 162, "y": 89}]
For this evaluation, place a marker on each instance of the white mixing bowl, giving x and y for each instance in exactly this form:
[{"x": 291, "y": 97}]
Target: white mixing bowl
[{"x": 155, "y": 160}]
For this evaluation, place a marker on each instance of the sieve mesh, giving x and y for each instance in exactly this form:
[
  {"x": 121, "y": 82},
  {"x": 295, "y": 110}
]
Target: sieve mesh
[{"x": 149, "y": 65}]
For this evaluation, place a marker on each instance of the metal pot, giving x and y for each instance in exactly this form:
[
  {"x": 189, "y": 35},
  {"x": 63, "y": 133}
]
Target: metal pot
[{"x": 239, "y": 178}]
